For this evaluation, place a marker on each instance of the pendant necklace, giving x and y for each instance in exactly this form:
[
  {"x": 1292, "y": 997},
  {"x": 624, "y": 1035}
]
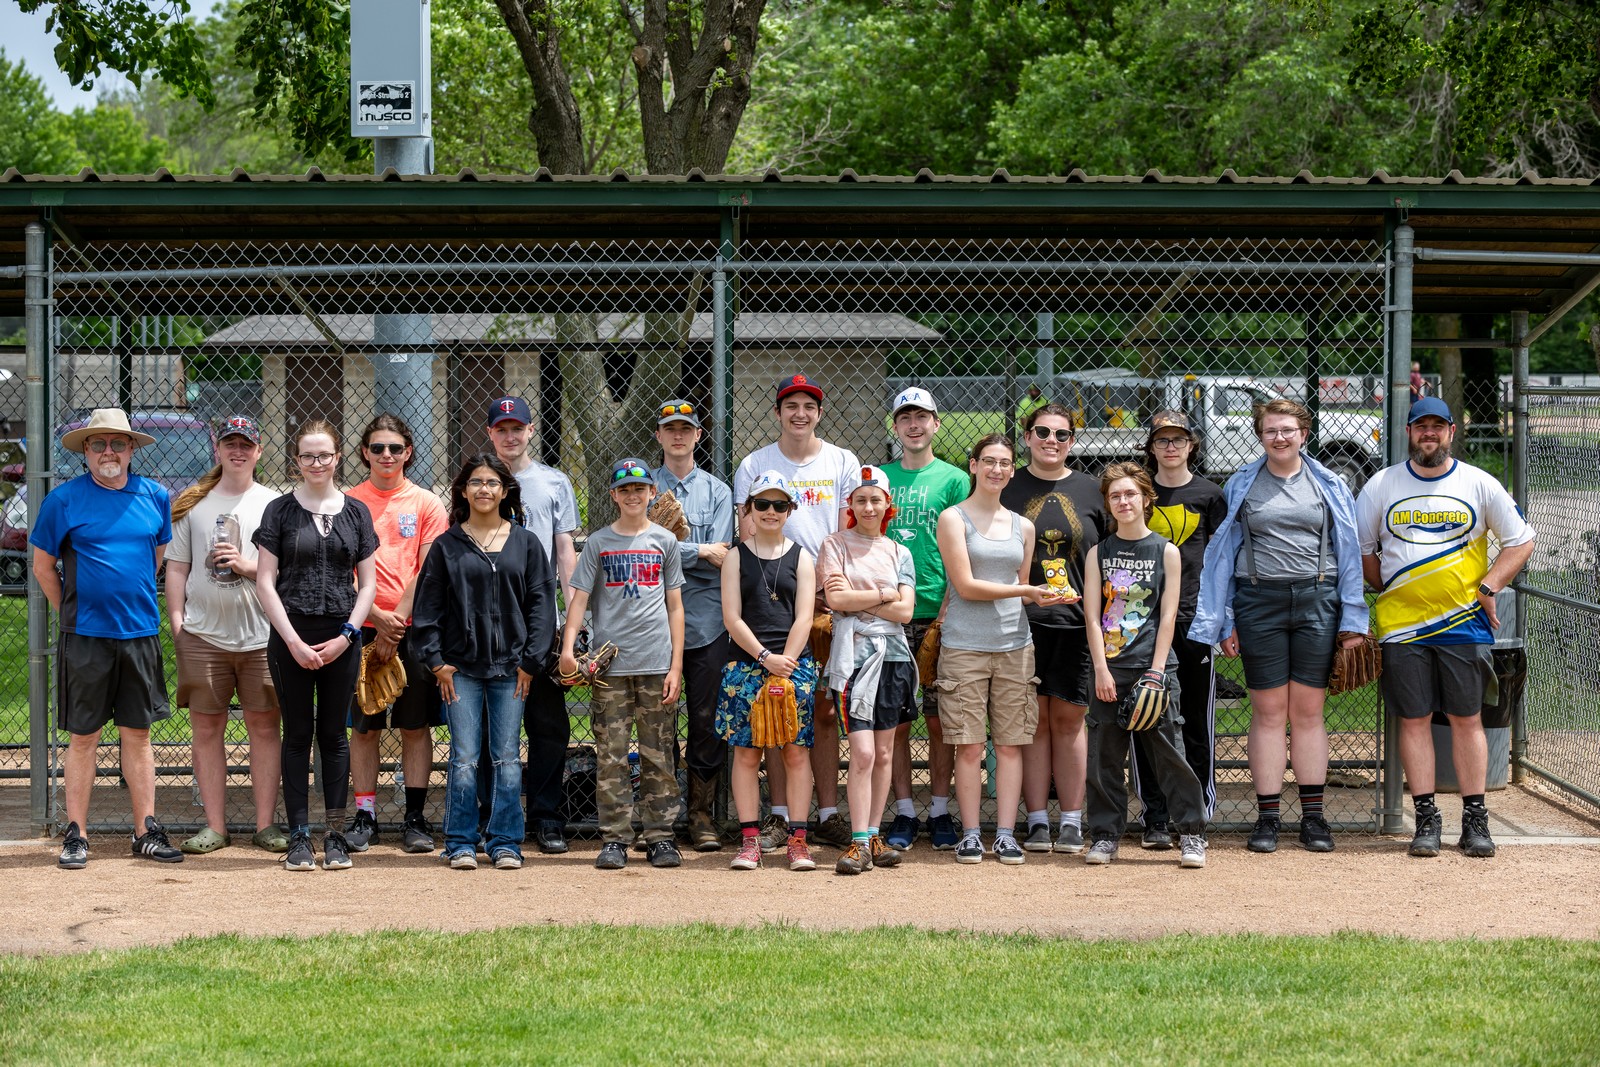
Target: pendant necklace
[
  {"x": 761, "y": 566},
  {"x": 484, "y": 546}
]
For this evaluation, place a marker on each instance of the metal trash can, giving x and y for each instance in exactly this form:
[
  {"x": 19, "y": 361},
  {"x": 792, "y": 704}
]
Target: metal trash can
[{"x": 1500, "y": 702}]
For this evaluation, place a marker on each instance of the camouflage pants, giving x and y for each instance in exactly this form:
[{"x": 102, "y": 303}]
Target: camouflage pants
[{"x": 634, "y": 699}]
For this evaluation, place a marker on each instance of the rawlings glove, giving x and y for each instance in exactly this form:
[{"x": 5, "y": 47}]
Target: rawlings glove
[
  {"x": 1145, "y": 703},
  {"x": 1354, "y": 667},
  {"x": 379, "y": 684},
  {"x": 665, "y": 511}
]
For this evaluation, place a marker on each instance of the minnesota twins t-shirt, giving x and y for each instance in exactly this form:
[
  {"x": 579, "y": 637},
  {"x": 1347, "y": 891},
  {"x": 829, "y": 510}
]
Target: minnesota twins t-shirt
[{"x": 627, "y": 577}]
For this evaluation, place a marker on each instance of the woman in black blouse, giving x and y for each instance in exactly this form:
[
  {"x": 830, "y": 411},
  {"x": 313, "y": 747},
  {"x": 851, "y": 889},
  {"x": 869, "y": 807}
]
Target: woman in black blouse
[{"x": 311, "y": 542}]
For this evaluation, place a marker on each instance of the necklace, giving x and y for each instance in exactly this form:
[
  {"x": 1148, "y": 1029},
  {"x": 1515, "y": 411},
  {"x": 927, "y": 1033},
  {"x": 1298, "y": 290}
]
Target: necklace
[
  {"x": 327, "y": 523},
  {"x": 761, "y": 568},
  {"x": 483, "y": 547}
]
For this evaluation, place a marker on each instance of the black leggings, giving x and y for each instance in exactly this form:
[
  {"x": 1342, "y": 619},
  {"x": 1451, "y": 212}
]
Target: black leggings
[{"x": 314, "y": 704}]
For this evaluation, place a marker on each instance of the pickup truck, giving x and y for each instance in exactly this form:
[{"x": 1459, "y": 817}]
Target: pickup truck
[{"x": 1112, "y": 409}]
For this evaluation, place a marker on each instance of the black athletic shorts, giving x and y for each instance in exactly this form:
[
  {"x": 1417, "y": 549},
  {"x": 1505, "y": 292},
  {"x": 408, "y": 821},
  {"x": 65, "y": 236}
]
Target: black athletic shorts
[
  {"x": 106, "y": 679},
  {"x": 896, "y": 702},
  {"x": 1061, "y": 661},
  {"x": 417, "y": 706}
]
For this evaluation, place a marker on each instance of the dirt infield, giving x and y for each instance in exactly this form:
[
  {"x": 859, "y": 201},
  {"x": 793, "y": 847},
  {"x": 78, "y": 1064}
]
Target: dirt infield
[{"x": 1533, "y": 887}]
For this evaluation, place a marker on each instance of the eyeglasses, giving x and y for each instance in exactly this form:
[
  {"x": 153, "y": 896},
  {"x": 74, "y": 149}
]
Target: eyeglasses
[
  {"x": 762, "y": 504},
  {"x": 1171, "y": 444},
  {"x": 1273, "y": 435},
  {"x": 1044, "y": 433},
  {"x": 483, "y": 483},
  {"x": 668, "y": 410},
  {"x": 321, "y": 459},
  {"x": 630, "y": 471},
  {"x": 118, "y": 446},
  {"x": 378, "y": 448},
  {"x": 993, "y": 464}
]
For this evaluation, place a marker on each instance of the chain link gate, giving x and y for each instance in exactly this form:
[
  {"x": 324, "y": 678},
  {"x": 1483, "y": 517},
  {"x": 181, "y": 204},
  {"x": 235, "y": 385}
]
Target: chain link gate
[{"x": 595, "y": 334}]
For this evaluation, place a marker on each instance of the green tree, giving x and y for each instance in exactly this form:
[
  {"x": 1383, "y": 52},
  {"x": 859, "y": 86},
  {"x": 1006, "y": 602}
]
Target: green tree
[
  {"x": 33, "y": 137},
  {"x": 113, "y": 139},
  {"x": 135, "y": 37}
]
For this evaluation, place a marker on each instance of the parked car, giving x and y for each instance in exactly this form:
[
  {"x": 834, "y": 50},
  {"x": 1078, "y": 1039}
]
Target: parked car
[{"x": 14, "y": 552}]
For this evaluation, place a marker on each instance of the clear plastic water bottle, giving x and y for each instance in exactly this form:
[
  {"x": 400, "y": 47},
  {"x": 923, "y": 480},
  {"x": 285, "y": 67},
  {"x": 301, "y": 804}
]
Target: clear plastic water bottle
[
  {"x": 399, "y": 788},
  {"x": 219, "y": 534}
]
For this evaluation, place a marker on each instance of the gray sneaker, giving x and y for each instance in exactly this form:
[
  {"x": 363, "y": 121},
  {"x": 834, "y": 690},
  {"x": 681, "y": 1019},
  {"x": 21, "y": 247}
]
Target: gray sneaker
[
  {"x": 418, "y": 836},
  {"x": 363, "y": 831},
  {"x": 1006, "y": 850},
  {"x": 1038, "y": 839},
  {"x": 774, "y": 834},
  {"x": 1101, "y": 853},
  {"x": 1070, "y": 839},
  {"x": 74, "y": 850},
  {"x": 300, "y": 856},
  {"x": 335, "y": 853},
  {"x": 970, "y": 850},
  {"x": 1191, "y": 851}
]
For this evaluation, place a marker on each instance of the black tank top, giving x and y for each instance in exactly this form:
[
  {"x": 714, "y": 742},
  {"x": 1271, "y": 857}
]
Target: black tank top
[
  {"x": 1133, "y": 577},
  {"x": 759, "y": 579}
]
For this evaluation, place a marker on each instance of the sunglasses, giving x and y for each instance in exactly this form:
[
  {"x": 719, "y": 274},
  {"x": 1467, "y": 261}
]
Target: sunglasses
[
  {"x": 762, "y": 504},
  {"x": 676, "y": 409},
  {"x": 392, "y": 449},
  {"x": 630, "y": 471},
  {"x": 98, "y": 446},
  {"x": 1044, "y": 433}
]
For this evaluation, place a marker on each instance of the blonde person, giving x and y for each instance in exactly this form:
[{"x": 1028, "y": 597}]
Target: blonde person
[
  {"x": 986, "y": 681},
  {"x": 768, "y": 597},
  {"x": 1280, "y": 588},
  {"x": 316, "y": 580},
  {"x": 1130, "y": 595},
  {"x": 219, "y": 633},
  {"x": 870, "y": 584}
]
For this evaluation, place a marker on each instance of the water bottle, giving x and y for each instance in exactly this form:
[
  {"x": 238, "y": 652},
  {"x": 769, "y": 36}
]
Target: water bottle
[
  {"x": 219, "y": 533},
  {"x": 399, "y": 788}
]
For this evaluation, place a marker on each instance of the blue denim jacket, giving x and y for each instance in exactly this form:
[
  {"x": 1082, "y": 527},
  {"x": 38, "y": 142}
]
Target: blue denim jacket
[{"x": 1213, "y": 618}]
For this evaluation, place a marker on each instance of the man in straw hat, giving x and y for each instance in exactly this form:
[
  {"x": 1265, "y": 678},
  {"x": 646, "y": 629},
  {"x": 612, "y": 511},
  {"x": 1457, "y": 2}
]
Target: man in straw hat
[{"x": 108, "y": 529}]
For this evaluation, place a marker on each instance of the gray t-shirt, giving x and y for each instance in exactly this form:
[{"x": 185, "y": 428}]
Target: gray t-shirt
[
  {"x": 222, "y": 608},
  {"x": 1283, "y": 522},
  {"x": 627, "y": 577},
  {"x": 549, "y": 505}
]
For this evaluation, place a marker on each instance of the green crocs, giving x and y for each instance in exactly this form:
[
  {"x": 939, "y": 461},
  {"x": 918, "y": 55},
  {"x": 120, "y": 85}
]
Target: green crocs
[
  {"x": 273, "y": 839},
  {"x": 207, "y": 840}
]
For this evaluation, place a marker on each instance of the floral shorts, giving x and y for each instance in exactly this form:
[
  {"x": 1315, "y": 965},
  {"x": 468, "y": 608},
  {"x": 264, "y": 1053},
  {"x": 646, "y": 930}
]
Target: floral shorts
[{"x": 741, "y": 684}]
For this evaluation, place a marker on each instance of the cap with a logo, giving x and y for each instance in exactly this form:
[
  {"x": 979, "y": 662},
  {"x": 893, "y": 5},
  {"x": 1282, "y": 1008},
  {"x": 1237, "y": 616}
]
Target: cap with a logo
[
  {"x": 630, "y": 471},
  {"x": 874, "y": 477},
  {"x": 1429, "y": 405},
  {"x": 678, "y": 411},
  {"x": 772, "y": 481},
  {"x": 509, "y": 407},
  {"x": 798, "y": 383},
  {"x": 914, "y": 398},
  {"x": 240, "y": 426}
]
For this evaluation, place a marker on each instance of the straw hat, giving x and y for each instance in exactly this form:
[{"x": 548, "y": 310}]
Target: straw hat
[{"x": 106, "y": 421}]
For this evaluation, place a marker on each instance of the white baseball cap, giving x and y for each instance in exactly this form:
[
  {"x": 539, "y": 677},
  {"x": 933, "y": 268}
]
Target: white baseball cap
[
  {"x": 914, "y": 397},
  {"x": 872, "y": 477},
  {"x": 770, "y": 481}
]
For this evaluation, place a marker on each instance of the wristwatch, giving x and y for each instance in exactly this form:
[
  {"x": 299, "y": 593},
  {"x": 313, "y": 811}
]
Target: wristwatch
[
  {"x": 351, "y": 634},
  {"x": 1485, "y": 590}
]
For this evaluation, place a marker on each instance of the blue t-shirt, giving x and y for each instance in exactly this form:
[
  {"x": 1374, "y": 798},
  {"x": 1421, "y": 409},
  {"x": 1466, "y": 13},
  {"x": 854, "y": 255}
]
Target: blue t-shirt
[{"x": 106, "y": 540}]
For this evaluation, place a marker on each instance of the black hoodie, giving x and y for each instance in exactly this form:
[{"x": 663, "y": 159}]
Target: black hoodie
[{"x": 485, "y": 620}]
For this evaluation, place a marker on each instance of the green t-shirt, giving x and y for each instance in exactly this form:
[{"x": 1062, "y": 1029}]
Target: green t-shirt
[{"x": 921, "y": 495}]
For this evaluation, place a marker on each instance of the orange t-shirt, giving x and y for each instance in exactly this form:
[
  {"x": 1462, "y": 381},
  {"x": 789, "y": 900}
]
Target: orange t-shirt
[{"x": 407, "y": 519}]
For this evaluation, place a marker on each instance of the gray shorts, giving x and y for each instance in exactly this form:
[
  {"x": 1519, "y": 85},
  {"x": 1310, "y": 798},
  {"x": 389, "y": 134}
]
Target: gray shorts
[
  {"x": 106, "y": 679},
  {"x": 1287, "y": 631},
  {"x": 1419, "y": 680}
]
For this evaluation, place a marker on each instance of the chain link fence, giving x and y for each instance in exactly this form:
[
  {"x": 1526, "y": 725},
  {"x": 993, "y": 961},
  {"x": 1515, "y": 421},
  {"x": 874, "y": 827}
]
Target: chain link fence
[{"x": 596, "y": 334}]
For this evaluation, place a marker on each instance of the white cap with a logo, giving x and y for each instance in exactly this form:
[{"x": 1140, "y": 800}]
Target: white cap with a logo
[{"x": 914, "y": 397}]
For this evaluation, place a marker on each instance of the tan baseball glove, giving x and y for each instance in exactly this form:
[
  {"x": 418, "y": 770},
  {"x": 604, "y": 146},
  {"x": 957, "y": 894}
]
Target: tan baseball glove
[
  {"x": 928, "y": 654},
  {"x": 1355, "y": 667},
  {"x": 379, "y": 684},
  {"x": 592, "y": 664},
  {"x": 821, "y": 638},
  {"x": 774, "y": 715},
  {"x": 665, "y": 511}
]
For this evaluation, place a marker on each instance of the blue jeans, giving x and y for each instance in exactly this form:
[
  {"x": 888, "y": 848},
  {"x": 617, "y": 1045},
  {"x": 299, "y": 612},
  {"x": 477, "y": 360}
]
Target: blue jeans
[{"x": 474, "y": 697}]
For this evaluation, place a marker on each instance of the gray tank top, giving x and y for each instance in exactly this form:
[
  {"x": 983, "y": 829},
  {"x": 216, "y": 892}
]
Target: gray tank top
[{"x": 988, "y": 625}]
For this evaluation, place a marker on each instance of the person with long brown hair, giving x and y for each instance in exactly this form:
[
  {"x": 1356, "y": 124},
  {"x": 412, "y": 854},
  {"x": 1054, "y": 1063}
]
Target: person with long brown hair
[
  {"x": 219, "y": 632},
  {"x": 316, "y": 580}
]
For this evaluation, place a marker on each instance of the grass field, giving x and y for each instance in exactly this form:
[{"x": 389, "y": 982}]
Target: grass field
[{"x": 629, "y": 994}]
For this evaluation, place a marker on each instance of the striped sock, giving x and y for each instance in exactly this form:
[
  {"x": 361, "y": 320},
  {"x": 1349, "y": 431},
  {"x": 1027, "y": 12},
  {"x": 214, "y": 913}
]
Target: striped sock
[
  {"x": 1311, "y": 800},
  {"x": 860, "y": 837},
  {"x": 1267, "y": 804}
]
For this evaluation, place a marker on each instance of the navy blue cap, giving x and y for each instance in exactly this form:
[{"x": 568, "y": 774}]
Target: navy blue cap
[
  {"x": 1430, "y": 405},
  {"x": 509, "y": 407},
  {"x": 630, "y": 471}
]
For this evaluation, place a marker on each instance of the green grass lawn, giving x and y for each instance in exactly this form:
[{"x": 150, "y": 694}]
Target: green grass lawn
[{"x": 778, "y": 994}]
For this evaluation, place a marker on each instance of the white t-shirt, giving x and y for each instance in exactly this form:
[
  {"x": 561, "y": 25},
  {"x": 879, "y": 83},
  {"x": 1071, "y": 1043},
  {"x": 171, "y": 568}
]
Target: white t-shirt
[
  {"x": 823, "y": 486},
  {"x": 222, "y": 610},
  {"x": 1431, "y": 537},
  {"x": 549, "y": 505}
]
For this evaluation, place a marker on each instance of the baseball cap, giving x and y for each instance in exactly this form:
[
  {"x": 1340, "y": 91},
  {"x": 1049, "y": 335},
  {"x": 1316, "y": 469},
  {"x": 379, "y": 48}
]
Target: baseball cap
[
  {"x": 770, "y": 481},
  {"x": 678, "y": 411},
  {"x": 798, "y": 383},
  {"x": 914, "y": 398},
  {"x": 240, "y": 426},
  {"x": 1429, "y": 405},
  {"x": 1169, "y": 419},
  {"x": 874, "y": 477},
  {"x": 509, "y": 407},
  {"x": 630, "y": 471}
]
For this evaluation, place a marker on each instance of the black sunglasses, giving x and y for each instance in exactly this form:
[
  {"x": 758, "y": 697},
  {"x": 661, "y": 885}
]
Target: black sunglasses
[
  {"x": 378, "y": 449},
  {"x": 1043, "y": 433},
  {"x": 762, "y": 504}
]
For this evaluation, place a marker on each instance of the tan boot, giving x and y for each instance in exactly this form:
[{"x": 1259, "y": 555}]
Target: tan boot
[{"x": 703, "y": 836}]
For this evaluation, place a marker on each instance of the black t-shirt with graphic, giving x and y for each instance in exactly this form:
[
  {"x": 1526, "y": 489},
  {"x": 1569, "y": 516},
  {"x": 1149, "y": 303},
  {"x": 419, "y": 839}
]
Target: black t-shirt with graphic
[
  {"x": 1069, "y": 518},
  {"x": 1189, "y": 516}
]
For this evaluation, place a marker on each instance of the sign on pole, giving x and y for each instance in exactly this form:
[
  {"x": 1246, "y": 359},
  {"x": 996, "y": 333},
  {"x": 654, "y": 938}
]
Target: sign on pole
[{"x": 390, "y": 69}]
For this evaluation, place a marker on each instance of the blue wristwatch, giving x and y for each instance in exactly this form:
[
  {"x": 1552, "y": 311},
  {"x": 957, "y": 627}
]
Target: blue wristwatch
[{"x": 351, "y": 633}]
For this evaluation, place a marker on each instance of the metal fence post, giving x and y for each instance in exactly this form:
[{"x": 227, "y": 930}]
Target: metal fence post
[
  {"x": 1391, "y": 812},
  {"x": 1519, "y": 492},
  {"x": 37, "y": 302}
]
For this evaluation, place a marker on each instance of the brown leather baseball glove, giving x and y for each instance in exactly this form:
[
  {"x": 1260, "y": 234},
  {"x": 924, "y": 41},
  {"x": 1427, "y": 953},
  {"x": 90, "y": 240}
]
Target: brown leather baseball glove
[
  {"x": 1355, "y": 667},
  {"x": 379, "y": 684},
  {"x": 774, "y": 715},
  {"x": 928, "y": 654},
  {"x": 592, "y": 664},
  {"x": 665, "y": 511},
  {"x": 821, "y": 638}
]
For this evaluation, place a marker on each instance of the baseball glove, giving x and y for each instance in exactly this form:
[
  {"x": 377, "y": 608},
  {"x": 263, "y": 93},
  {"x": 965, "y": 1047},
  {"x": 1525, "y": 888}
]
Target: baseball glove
[
  {"x": 1355, "y": 667},
  {"x": 821, "y": 637},
  {"x": 665, "y": 511},
  {"x": 379, "y": 684},
  {"x": 928, "y": 653},
  {"x": 774, "y": 715},
  {"x": 1145, "y": 703},
  {"x": 592, "y": 663}
]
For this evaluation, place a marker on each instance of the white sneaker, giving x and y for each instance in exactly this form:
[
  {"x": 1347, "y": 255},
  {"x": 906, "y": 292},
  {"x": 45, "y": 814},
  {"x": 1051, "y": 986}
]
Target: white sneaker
[
  {"x": 1192, "y": 851},
  {"x": 465, "y": 861},
  {"x": 1101, "y": 852}
]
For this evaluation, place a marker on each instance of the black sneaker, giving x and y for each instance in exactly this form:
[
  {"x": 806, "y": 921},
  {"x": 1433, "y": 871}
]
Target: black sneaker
[
  {"x": 301, "y": 856},
  {"x": 1264, "y": 838},
  {"x": 153, "y": 843},
  {"x": 1425, "y": 842},
  {"x": 663, "y": 854},
  {"x": 363, "y": 831},
  {"x": 970, "y": 850},
  {"x": 418, "y": 835},
  {"x": 1006, "y": 850},
  {"x": 1156, "y": 837},
  {"x": 1475, "y": 840},
  {"x": 551, "y": 837},
  {"x": 613, "y": 856},
  {"x": 74, "y": 850},
  {"x": 335, "y": 852},
  {"x": 1315, "y": 835}
]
